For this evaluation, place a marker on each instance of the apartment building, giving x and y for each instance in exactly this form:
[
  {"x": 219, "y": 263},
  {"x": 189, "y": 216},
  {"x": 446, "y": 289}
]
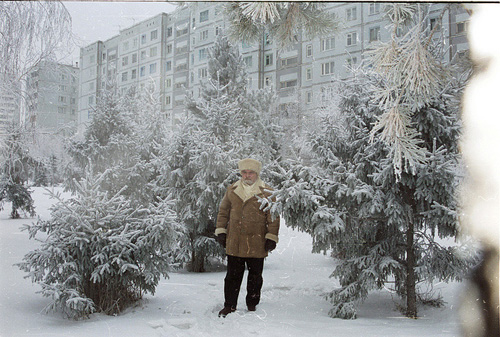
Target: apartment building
[
  {"x": 9, "y": 107},
  {"x": 51, "y": 98},
  {"x": 170, "y": 53}
]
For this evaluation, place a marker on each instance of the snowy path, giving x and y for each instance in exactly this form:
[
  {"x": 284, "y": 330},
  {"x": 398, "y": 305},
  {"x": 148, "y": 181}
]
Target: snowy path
[{"x": 186, "y": 304}]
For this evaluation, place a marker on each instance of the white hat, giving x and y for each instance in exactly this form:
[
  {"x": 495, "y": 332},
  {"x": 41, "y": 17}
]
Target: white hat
[{"x": 250, "y": 164}]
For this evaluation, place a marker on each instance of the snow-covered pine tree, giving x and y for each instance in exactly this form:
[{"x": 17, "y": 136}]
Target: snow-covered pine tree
[
  {"x": 99, "y": 252},
  {"x": 199, "y": 163},
  {"x": 381, "y": 228},
  {"x": 15, "y": 170},
  {"x": 112, "y": 141},
  {"x": 196, "y": 171},
  {"x": 150, "y": 131}
]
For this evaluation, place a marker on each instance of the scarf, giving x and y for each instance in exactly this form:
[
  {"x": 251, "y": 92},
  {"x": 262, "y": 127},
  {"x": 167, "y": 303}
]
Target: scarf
[{"x": 245, "y": 191}]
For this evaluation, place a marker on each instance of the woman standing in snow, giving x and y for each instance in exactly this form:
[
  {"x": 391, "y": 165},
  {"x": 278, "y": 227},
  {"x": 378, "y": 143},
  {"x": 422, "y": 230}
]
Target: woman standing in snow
[{"x": 247, "y": 232}]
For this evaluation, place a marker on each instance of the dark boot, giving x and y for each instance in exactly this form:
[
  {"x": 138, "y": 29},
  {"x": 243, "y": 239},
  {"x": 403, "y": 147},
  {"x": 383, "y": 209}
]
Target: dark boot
[
  {"x": 251, "y": 307},
  {"x": 225, "y": 311}
]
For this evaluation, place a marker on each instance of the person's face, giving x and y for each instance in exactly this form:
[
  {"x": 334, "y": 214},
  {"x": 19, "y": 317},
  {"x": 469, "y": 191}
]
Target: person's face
[{"x": 249, "y": 177}]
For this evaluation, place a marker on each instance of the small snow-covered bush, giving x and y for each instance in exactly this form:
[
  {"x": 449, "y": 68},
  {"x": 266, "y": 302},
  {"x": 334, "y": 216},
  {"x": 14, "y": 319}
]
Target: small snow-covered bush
[{"x": 99, "y": 253}]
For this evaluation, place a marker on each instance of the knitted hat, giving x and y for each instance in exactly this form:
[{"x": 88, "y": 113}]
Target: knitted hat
[{"x": 250, "y": 164}]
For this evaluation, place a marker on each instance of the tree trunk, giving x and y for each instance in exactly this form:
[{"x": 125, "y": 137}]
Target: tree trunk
[
  {"x": 411, "y": 297},
  {"x": 197, "y": 262}
]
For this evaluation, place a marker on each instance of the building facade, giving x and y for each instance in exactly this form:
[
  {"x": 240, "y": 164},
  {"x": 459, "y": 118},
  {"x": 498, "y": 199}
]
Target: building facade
[
  {"x": 10, "y": 107},
  {"x": 169, "y": 53},
  {"x": 52, "y": 98}
]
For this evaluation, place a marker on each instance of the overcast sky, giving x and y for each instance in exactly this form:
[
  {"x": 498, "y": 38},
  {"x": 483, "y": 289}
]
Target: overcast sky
[{"x": 94, "y": 21}]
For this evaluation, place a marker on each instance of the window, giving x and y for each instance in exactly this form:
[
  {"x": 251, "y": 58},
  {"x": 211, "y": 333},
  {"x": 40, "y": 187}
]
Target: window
[
  {"x": 168, "y": 66},
  {"x": 153, "y": 51},
  {"x": 124, "y": 61},
  {"x": 169, "y": 31},
  {"x": 134, "y": 74},
  {"x": 192, "y": 58},
  {"x": 268, "y": 39},
  {"x": 193, "y": 25},
  {"x": 248, "y": 61},
  {"x": 124, "y": 76},
  {"x": 374, "y": 8},
  {"x": 154, "y": 34},
  {"x": 434, "y": 22},
  {"x": 193, "y": 41},
  {"x": 268, "y": 81},
  {"x": 134, "y": 43},
  {"x": 181, "y": 32},
  {"x": 289, "y": 62},
  {"x": 374, "y": 34},
  {"x": 61, "y": 110},
  {"x": 168, "y": 83},
  {"x": 91, "y": 86},
  {"x": 62, "y": 88},
  {"x": 351, "y": 13},
  {"x": 73, "y": 100},
  {"x": 202, "y": 54},
  {"x": 288, "y": 84},
  {"x": 204, "y": 35},
  {"x": 152, "y": 68},
  {"x": 204, "y": 16},
  {"x": 328, "y": 43},
  {"x": 181, "y": 50},
  {"x": 399, "y": 31},
  {"x": 143, "y": 38},
  {"x": 309, "y": 97},
  {"x": 91, "y": 99},
  {"x": 168, "y": 100},
  {"x": 180, "y": 85},
  {"x": 182, "y": 66},
  {"x": 134, "y": 58},
  {"x": 202, "y": 72},
  {"x": 142, "y": 71},
  {"x": 169, "y": 48},
  {"x": 351, "y": 62},
  {"x": 125, "y": 45},
  {"x": 309, "y": 50},
  {"x": 326, "y": 94},
  {"x": 309, "y": 74},
  {"x": 352, "y": 39},
  {"x": 62, "y": 99},
  {"x": 217, "y": 30},
  {"x": 143, "y": 55},
  {"x": 268, "y": 60},
  {"x": 327, "y": 68},
  {"x": 461, "y": 27}
]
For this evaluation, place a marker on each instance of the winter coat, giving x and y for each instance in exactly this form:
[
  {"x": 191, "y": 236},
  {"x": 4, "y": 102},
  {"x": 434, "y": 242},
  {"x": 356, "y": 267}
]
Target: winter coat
[{"x": 246, "y": 225}]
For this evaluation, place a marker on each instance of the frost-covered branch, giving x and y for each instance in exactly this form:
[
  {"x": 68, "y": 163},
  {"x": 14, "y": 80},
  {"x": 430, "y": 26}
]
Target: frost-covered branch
[
  {"x": 412, "y": 76},
  {"x": 248, "y": 21}
]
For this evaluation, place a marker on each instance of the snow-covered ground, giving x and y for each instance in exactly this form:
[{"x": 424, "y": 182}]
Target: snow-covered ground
[{"x": 186, "y": 304}]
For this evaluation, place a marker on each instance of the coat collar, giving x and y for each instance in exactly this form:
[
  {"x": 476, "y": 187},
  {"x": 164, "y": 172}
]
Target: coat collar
[{"x": 238, "y": 189}]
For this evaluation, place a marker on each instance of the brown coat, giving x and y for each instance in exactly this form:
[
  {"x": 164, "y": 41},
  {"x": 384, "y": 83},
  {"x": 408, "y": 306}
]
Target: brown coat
[{"x": 246, "y": 225}]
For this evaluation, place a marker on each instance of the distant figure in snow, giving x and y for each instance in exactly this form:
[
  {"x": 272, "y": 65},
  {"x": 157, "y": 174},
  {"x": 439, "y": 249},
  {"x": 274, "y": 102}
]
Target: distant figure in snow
[{"x": 248, "y": 234}]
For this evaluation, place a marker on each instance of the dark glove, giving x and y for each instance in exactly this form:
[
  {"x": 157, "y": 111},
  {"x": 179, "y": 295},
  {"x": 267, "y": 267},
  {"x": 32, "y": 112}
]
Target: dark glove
[
  {"x": 221, "y": 239},
  {"x": 270, "y": 245}
]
